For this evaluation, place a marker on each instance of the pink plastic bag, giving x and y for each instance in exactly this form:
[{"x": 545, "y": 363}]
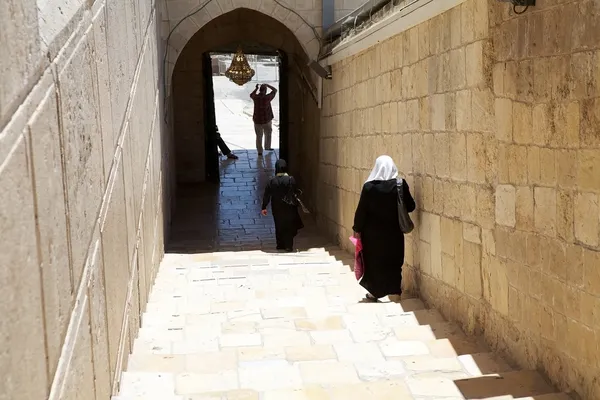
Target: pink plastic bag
[{"x": 359, "y": 266}]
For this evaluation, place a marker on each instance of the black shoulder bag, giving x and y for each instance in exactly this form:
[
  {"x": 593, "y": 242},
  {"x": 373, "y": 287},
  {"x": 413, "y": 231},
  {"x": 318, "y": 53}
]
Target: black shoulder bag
[{"x": 406, "y": 224}]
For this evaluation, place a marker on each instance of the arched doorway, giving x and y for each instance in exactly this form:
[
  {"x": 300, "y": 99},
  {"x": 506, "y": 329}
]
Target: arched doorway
[
  {"x": 193, "y": 114},
  {"x": 195, "y": 149}
]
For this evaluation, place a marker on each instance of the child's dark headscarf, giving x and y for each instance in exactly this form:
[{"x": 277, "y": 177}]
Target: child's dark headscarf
[{"x": 280, "y": 167}]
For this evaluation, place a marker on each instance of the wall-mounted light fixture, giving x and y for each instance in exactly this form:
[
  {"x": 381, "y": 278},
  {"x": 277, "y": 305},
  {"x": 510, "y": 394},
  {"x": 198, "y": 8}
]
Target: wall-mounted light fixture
[
  {"x": 520, "y": 3},
  {"x": 323, "y": 72}
]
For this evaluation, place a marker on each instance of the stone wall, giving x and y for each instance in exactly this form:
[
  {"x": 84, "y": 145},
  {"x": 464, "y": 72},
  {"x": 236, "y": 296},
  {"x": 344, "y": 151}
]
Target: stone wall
[
  {"x": 81, "y": 172},
  {"x": 494, "y": 119}
]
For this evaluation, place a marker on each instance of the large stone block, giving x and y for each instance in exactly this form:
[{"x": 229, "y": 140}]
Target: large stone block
[
  {"x": 566, "y": 124},
  {"x": 585, "y": 34},
  {"x": 458, "y": 157},
  {"x": 116, "y": 266},
  {"x": 452, "y": 199},
  {"x": 565, "y": 228},
  {"x": 524, "y": 208},
  {"x": 436, "y": 246},
  {"x": 441, "y": 145},
  {"x": 542, "y": 88},
  {"x": 427, "y": 150},
  {"x": 588, "y": 166},
  {"x": 485, "y": 207},
  {"x": 523, "y": 124},
  {"x": 498, "y": 284},
  {"x": 23, "y": 369},
  {"x": 99, "y": 328},
  {"x": 467, "y": 21},
  {"x": 504, "y": 119},
  {"x": 476, "y": 75},
  {"x": 586, "y": 218},
  {"x": 483, "y": 110},
  {"x": 463, "y": 111},
  {"x": 590, "y": 121},
  {"x": 52, "y": 224},
  {"x": 506, "y": 205},
  {"x": 79, "y": 379},
  {"x": 437, "y": 109},
  {"x": 547, "y": 167},
  {"x": 463, "y": 73},
  {"x": 126, "y": 169},
  {"x": 591, "y": 272},
  {"x": 83, "y": 150},
  {"x": 20, "y": 38},
  {"x": 469, "y": 212},
  {"x": 545, "y": 210},
  {"x": 517, "y": 164},
  {"x": 120, "y": 59},
  {"x": 109, "y": 134},
  {"x": 476, "y": 158},
  {"x": 541, "y": 129},
  {"x": 575, "y": 262}
]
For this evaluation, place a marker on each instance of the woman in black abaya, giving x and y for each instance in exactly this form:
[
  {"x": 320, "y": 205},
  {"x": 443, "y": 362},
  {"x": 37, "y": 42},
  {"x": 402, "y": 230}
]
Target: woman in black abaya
[
  {"x": 376, "y": 223},
  {"x": 280, "y": 192}
]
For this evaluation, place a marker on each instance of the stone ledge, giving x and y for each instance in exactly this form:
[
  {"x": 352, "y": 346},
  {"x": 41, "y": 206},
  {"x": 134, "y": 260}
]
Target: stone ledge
[{"x": 391, "y": 25}]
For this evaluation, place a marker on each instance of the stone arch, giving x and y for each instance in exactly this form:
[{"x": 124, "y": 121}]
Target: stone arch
[
  {"x": 241, "y": 26},
  {"x": 302, "y": 28}
]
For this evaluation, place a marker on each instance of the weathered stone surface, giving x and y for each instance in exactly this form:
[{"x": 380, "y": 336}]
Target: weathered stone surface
[
  {"x": 23, "y": 368},
  {"x": 545, "y": 210},
  {"x": 99, "y": 328},
  {"x": 79, "y": 381},
  {"x": 109, "y": 134},
  {"x": 120, "y": 60},
  {"x": 20, "y": 34},
  {"x": 71, "y": 139},
  {"x": 506, "y": 205},
  {"x": 51, "y": 224},
  {"x": 586, "y": 218},
  {"x": 83, "y": 150},
  {"x": 521, "y": 124},
  {"x": 116, "y": 266}
]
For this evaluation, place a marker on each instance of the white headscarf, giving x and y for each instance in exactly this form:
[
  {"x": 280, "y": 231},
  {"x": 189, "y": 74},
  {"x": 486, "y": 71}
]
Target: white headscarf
[{"x": 384, "y": 170}]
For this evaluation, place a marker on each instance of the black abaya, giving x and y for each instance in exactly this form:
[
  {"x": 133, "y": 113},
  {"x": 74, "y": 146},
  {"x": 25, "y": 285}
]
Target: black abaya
[
  {"x": 376, "y": 219},
  {"x": 286, "y": 216}
]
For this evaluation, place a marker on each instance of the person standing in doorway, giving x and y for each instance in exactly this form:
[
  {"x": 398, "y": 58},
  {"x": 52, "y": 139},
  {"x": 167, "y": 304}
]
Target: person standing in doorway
[
  {"x": 263, "y": 115},
  {"x": 281, "y": 192}
]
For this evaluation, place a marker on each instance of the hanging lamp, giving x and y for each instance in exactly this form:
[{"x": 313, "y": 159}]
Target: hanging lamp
[{"x": 239, "y": 71}]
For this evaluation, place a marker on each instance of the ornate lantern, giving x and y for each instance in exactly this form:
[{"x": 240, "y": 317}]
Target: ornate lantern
[{"x": 239, "y": 71}]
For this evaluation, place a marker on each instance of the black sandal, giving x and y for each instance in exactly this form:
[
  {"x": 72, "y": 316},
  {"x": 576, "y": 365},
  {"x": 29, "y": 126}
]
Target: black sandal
[{"x": 371, "y": 298}]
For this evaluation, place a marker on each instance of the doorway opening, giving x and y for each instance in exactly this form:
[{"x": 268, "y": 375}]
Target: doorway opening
[
  {"x": 230, "y": 108},
  {"x": 233, "y": 105}
]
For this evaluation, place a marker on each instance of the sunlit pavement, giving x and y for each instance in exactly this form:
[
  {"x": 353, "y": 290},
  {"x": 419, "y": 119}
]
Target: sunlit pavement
[{"x": 233, "y": 108}]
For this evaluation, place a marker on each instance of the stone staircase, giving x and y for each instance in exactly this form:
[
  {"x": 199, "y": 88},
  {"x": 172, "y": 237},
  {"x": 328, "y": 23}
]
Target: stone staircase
[{"x": 255, "y": 325}]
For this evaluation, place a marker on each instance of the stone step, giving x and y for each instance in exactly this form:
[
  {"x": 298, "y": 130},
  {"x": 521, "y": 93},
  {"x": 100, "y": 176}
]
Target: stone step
[
  {"x": 551, "y": 396},
  {"x": 146, "y": 397},
  {"x": 147, "y": 385},
  {"x": 237, "y": 312},
  {"x": 518, "y": 384}
]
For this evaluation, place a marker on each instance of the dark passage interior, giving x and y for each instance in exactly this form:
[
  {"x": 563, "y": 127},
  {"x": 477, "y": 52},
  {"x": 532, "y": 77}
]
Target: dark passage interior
[{"x": 217, "y": 204}]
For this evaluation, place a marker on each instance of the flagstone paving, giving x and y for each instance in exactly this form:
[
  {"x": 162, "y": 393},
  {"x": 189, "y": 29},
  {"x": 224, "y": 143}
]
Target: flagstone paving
[{"x": 228, "y": 318}]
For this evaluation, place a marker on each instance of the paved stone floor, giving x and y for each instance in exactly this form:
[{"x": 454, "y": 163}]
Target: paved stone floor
[{"x": 228, "y": 318}]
